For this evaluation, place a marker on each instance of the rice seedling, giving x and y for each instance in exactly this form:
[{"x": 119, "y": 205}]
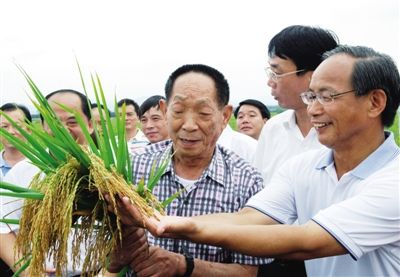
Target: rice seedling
[{"x": 67, "y": 197}]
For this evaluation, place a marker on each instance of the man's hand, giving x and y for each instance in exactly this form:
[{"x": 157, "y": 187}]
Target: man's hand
[
  {"x": 134, "y": 246},
  {"x": 160, "y": 262},
  {"x": 130, "y": 215}
]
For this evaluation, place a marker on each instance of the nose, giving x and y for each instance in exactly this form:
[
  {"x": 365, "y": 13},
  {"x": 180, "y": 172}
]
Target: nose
[
  {"x": 189, "y": 124},
  {"x": 10, "y": 129},
  {"x": 315, "y": 108},
  {"x": 271, "y": 83}
]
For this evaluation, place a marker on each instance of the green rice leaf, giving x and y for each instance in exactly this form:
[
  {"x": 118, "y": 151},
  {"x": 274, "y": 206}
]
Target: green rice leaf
[
  {"x": 26, "y": 195},
  {"x": 123, "y": 271},
  {"x": 15, "y": 188},
  {"x": 155, "y": 177},
  {"x": 22, "y": 268},
  {"x": 83, "y": 126},
  {"x": 9, "y": 221},
  {"x": 169, "y": 200},
  {"x": 140, "y": 187},
  {"x": 34, "y": 147}
]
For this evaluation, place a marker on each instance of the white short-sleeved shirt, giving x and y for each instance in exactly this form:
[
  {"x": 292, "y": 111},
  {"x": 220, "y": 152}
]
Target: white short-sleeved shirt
[
  {"x": 21, "y": 174},
  {"x": 138, "y": 142},
  {"x": 243, "y": 145},
  {"x": 281, "y": 139},
  {"x": 361, "y": 210}
]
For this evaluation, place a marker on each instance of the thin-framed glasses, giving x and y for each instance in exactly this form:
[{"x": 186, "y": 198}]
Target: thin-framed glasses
[
  {"x": 324, "y": 97},
  {"x": 275, "y": 76}
]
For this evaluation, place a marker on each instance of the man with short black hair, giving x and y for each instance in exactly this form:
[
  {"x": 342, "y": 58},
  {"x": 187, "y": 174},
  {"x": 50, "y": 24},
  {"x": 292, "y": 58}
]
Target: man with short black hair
[
  {"x": 153, "y": 119},
  {"x": 251, "y": 116},
  {"x": 208, "y": 177},
  {"x": 23, "y": 172},
  {"x": 345, "y": 197},
  {"x": 135, "y": 137}
]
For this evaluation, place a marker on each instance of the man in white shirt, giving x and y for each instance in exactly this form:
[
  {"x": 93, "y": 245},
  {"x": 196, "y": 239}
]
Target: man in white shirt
[
  {"x": 22, "y": 173},
  {"x": 134, "y": 136},
  {"x": 345, "y": 197},
  {"x": 243, "y": 145},
  {"x": 294, "y": 53},
  {"x": 10, "y": 155}
]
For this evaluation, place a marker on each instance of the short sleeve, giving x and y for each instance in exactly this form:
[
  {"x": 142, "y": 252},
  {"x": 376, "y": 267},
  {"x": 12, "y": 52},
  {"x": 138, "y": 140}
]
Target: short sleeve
[
  {"x": 277, "y": 198},
  {"x": 369, "y": 220}
]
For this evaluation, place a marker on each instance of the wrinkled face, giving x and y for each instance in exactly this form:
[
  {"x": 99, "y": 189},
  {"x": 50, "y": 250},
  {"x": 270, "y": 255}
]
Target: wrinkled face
[
  {"x": 69, "y": 121},
  {"x": 131, "y": 117},
  {"x": 154, "y": 125},
  {"x": 286, "y": 90},
  {"x": 250, "y": 121},
  {"x": 194, "y": 119},
  {"x": 18, "y": 116},
  {"x": 343, "y": 123}
]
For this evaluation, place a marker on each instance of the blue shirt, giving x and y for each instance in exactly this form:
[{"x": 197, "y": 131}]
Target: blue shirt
[{"x": 4, "y": 166}]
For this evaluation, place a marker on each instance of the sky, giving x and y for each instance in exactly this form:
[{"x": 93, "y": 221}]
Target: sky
[{"x": 135, "y": 45}]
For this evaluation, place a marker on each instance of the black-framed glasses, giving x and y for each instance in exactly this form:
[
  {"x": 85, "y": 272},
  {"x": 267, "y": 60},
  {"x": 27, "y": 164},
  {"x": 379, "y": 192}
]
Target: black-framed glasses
[
  {"x": 324, "y": 97},
  {"x": 275, "y": 76}
]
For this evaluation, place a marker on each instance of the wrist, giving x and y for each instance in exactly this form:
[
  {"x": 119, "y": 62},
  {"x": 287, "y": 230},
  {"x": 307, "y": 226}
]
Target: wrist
[{"x": 189, "y": 265}]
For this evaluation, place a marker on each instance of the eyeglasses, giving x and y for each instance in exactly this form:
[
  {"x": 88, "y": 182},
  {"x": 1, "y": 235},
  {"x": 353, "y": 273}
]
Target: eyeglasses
[
  {"x": 275, "y": 76},
  {"x": 325, "y": 97}
]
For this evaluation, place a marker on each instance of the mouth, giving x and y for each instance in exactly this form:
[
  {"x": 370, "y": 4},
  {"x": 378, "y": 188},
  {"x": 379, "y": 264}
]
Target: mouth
[
  {"x": 188, "y": 142},
  {"x": 318, "y": 126},
  {"x": 245, "y": 128}
]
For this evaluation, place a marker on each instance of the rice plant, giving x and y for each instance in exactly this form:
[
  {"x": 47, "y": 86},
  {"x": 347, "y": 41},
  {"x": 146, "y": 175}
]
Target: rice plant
[{"x": 68, "y": 193}]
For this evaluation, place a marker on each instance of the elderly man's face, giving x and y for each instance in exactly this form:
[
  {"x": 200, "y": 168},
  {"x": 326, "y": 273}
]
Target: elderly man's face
[
  {"x": 343, "y": 123},
  {"x": 69, "y": 121},
  {"x": 194, "y": 119}
]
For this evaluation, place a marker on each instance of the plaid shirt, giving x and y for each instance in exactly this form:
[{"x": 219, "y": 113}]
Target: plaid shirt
[{"x": 225, "y": 186}]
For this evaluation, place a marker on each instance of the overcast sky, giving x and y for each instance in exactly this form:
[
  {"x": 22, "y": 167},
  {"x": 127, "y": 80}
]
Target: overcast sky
[{"x": 135, "y": 45}]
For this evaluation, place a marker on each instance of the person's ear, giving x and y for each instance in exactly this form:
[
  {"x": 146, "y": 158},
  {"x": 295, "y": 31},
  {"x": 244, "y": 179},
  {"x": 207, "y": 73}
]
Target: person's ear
[
  {"x": 163, "y": 107},
  {"x": 226, "y": 113},
  {"x": 90, "y": 127},
  {"x": 377, "y": 102}
]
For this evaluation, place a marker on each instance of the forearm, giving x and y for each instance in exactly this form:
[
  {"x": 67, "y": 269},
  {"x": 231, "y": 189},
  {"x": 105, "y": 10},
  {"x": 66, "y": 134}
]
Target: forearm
[
  {"x": 286, "y": 241},
  {"x": 245, "y": 216},
  {"x": 7, "y": 242},
  {"x": 212, "y": 269}
]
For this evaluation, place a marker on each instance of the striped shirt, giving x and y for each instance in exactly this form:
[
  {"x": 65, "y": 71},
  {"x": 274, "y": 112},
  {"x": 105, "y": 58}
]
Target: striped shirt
[{"x": 225, "y": 186}]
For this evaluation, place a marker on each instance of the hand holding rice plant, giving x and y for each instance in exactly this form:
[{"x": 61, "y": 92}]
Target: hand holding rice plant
[{"x": 69, "y": 192}]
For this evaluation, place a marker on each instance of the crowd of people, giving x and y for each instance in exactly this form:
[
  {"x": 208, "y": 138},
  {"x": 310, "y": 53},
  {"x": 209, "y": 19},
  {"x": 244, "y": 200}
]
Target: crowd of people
[{"x": 312, "y": 191}]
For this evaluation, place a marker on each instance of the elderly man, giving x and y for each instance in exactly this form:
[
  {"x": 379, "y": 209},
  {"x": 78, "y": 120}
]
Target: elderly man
[
  {"x": 346, "y": 198},
  {"x": 211, "y": 178},
  {"x": 22, "y": 173}
]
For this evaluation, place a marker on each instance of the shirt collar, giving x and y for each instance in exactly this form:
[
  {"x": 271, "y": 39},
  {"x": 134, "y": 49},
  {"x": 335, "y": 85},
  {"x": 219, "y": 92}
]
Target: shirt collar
[
  {"x": 213, "y": 170},
  {"x": 289, "y": 121},
  {"x": 4, "y": 166},
  {"x": 386, "y": 152}
]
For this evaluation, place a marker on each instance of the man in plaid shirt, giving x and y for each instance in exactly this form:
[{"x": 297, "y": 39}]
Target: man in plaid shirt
[{"x": 212, "y": 179}]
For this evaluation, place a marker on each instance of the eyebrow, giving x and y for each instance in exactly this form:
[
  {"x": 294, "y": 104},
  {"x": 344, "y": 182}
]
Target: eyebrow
[{"x": 179, "y": 98}]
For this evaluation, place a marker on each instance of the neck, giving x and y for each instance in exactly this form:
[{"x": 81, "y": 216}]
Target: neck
[
  {"x": 303, "y": 121},
  {"x": 348, "y": 157},
  {"x": 12, "y": 156},
  {"x": 131, "y": 133},
  {"x": 190, "y": 168}
]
